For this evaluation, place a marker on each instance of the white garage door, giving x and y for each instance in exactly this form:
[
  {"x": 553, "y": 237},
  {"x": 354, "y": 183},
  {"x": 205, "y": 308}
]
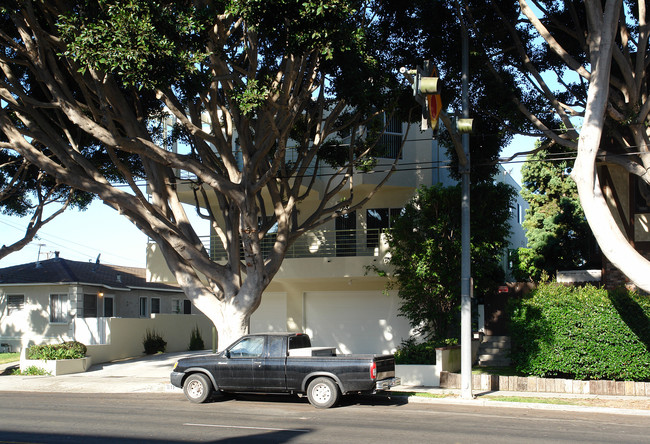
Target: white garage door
[
  {"x": 355, "y": 322},
  {"x": 271, "y": 315}
]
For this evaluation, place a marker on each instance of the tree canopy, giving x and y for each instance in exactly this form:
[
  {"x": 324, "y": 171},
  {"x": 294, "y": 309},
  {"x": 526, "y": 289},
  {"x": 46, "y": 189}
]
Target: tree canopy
[
  {"x": 230, "y": 104},
  {"x": 425, "y": 252},
  {"x": 559, "y": 237}
]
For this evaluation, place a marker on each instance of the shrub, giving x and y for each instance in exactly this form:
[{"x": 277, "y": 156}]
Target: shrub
[
  {"x": 412, "y": 352},
  {"x": 153, "y": 343},
  {"x": 65, "y": 350},
  {"x": 581, "y": 333},
  {"x": 196, "y": 341},
  {"x": 31, "y": 371}
]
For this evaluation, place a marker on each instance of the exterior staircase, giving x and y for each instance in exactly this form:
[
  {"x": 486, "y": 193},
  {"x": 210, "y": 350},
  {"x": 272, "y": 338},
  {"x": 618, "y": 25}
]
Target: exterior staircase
[{"x": 494, "y": 351}]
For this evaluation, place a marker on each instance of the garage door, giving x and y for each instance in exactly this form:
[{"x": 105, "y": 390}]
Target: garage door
[{"x": 355, "y": 322}]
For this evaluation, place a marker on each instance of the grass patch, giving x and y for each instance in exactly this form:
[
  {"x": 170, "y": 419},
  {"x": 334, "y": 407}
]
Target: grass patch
[
  {"x": 423, "y": 394},
  {"x": 535, "y": 400},
  {"x": 9, "y": 357},
  {"x": 31, "y": 371}
]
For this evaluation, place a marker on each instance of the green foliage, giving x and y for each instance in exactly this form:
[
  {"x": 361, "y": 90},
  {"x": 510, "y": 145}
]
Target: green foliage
[
  {"x": 411, "y": 351},
  {"x": 196, "y": 341},
  {"x": 31, "y": 371},
  {"x": 153, "y": 343},
  {"x": 425, "y": 246},
  {"x": 559, "y": 237},
  {"x": 143, "y": 43},
  {"x": 581, "y": 333},
  {"x": 65, "y": 350},
  {"x": 9, "y": 357}
]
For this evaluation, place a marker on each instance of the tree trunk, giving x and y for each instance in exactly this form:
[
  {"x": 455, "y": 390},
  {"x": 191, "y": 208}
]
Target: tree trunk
[{"x": 613, "y": 243}]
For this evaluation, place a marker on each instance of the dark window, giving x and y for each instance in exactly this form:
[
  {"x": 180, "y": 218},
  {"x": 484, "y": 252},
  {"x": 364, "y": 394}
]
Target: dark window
[
  {"x": 90, "y": 306},
  {"x": 299, "y": 341},
  {"x": 15, "y": 302},
  {"x": 108, "y": 308},
  {"x": 390, "y": 142},
  {"x": 143, "y": 307},
  {"x": 155, "y": 305},
  {"x": 346, "y": 236},
  {"x": 187, "y": 307},
  {"x": 378, "y": 220}
]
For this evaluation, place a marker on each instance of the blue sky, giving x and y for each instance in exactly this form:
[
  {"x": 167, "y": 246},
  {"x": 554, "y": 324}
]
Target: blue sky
[{"x": 83, "y": 235}]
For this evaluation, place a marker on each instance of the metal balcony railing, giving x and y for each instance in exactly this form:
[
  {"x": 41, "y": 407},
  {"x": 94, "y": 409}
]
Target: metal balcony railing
[{"x": 320, "y": 243}]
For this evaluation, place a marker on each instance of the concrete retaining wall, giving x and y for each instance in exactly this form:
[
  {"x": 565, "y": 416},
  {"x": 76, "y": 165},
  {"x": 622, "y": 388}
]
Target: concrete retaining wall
[{"x": 547, "y": 385}]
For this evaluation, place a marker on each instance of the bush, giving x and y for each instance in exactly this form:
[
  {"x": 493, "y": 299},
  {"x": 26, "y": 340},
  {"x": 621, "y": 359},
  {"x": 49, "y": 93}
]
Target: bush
[
  {"x": 196, "y": 341},
  {"x": 31, "y": 371},
  {"x": 581, "y": 333},
  {"x": 412, "y": 352},
  {"x": 153, "y": 343},
  {"x": 65, "y": 350}
]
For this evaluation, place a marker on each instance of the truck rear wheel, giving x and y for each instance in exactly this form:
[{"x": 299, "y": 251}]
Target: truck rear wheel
[
  {"x": 323, "y": 393},
  {"x": 197, "y": 388}
]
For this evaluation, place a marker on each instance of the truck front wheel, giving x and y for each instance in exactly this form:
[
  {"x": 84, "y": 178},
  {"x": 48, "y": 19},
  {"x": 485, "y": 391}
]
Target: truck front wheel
[
  {"x": 323, "y": 393},
  {"x": 197, "y": 388}
]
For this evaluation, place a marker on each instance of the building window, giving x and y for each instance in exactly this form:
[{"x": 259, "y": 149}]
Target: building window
[
  {"x": 90, "y": 306},
  {"x": 390, "y": 141},
  {"x": 109, "y": 312},
  {"x": 378, "y": 220},
  {"x": 59, "y": 308},
  {"x": 155, "y": 305},
  {"x": 15, "y": 302},
  {"x": 143, "y": 308},
  {"x": 181, "y": 306}
]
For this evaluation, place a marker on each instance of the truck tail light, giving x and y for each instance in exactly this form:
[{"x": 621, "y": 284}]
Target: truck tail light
[{"x": 373, "y": 370}]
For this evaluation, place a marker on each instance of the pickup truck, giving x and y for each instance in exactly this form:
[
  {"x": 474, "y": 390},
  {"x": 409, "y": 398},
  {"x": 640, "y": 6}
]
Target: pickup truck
[{"x": 283, "y": 363}]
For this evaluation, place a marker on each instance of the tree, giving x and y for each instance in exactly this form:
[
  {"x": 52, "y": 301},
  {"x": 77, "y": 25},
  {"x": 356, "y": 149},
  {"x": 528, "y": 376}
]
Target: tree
[
  {"x": 253, "y": 96},
  {"x": 584, "y": 89},
  {"x": 425, "y": 252},
  {"x": 25, "y": 191},
  {"x": 559, "y": 237}
]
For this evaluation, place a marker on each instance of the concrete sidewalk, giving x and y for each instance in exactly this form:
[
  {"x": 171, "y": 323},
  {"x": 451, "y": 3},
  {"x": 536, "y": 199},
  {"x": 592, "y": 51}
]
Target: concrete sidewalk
[{"x": 150, "y": 374}]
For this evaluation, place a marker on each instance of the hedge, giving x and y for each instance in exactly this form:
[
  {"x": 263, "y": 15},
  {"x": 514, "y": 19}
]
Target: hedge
[{"x": 581, "y": 333}]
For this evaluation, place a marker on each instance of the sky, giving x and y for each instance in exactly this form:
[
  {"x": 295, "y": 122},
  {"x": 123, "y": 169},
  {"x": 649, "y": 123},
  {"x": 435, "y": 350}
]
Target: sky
[{"x": 101, "y": 231}]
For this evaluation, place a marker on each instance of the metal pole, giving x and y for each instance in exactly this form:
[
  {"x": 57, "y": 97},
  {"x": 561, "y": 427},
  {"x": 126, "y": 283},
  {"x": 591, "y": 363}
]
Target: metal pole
[{"x": 465, "y": 269}]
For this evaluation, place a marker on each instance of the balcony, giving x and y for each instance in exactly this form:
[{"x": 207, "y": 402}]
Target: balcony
[{"x": 316, "y": 244}]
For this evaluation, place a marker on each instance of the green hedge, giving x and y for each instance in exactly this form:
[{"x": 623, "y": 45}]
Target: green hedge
[
  {"x": 411, "y": 351},
  {"x": 65, "y": 350},
  {"x": 581, "y": 333}
]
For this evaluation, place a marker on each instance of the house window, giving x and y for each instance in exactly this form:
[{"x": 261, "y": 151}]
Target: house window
[
  {"x": 155, "y": 305},
  {"x": 59, "y": 308},
  {"x": 378, "y": 220},
  {"x": 181, "y": 306},
  {"x": 109, "y": 311},
  {"x": 346, "y": 234},
  {"x": 90, "y": 306},
  {"x": 15, "y": 302},
  {"x": 143, "y": 308}
]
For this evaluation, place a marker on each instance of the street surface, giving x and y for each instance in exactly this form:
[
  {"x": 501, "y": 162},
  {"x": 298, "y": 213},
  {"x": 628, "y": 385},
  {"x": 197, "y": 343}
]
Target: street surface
[{"x": 169, "y": 417}]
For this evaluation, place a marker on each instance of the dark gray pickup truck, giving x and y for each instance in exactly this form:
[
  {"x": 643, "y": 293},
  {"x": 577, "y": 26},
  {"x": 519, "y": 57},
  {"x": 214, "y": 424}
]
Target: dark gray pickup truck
[{"x": 283, "y": 363}]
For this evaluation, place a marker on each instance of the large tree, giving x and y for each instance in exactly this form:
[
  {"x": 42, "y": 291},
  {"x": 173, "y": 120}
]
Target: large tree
[
  {"x": 255, "y": 94},
  {"x": 425, "y": 252},
  {"x": 582, "y": 70},
  {"x": 559, "y": 237}
]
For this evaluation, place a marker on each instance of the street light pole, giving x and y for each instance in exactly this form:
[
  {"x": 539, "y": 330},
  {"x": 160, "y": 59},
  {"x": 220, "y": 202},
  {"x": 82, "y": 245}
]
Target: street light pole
[{"x": 465, "y": 271}]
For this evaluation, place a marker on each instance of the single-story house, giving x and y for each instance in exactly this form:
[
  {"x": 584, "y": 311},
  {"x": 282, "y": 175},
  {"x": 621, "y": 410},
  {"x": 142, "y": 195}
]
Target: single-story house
[{"x": 59, "y": 300}]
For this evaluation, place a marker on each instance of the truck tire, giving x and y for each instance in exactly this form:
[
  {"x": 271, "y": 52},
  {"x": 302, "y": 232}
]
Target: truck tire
[
  {"x": 197, "y": 388},
  {"x": 323, "y": 393}
]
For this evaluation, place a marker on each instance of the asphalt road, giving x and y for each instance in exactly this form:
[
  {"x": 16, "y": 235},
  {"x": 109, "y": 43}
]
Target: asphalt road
[{"x": 169, "y": 417}]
